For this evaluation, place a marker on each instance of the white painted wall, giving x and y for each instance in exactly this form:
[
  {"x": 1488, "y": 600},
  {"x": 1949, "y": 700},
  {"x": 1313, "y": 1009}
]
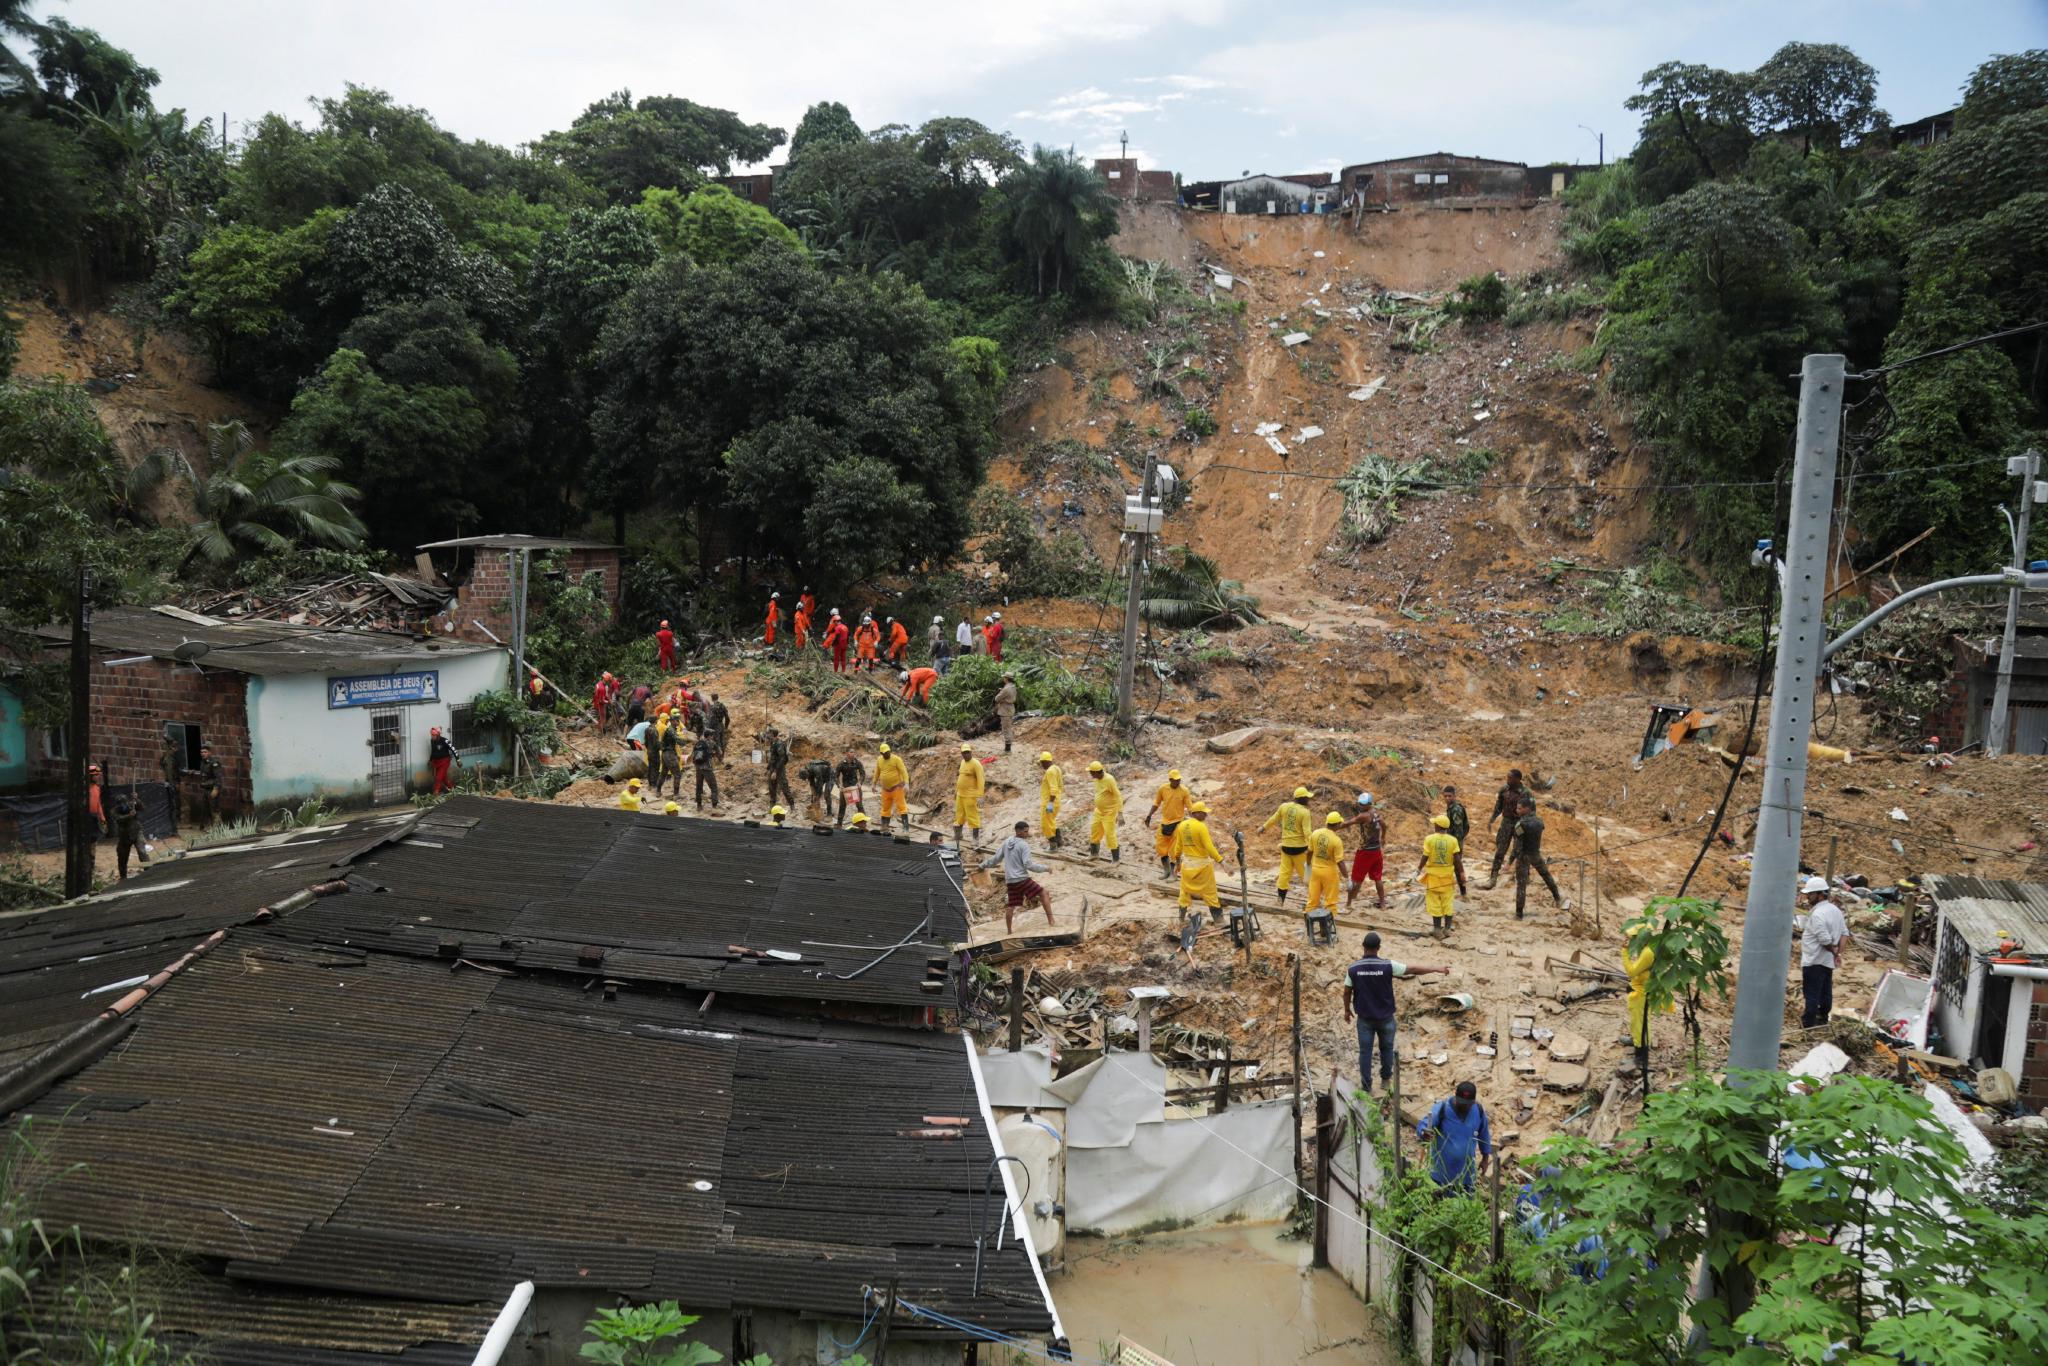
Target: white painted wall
[{"x": 299, "y": 748}]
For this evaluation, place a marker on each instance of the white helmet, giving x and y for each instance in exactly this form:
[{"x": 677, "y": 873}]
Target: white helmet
[
  {"x": 1814, "y": 884},
  {"x": 903, "y": 677},
  {"x": 938, "y": 621},
  {"x": 1365, "y": 799}
]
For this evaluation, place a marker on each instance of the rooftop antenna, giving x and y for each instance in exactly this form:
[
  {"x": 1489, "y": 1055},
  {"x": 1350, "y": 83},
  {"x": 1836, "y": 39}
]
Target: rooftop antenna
[{"x": 1124, "y": 141}]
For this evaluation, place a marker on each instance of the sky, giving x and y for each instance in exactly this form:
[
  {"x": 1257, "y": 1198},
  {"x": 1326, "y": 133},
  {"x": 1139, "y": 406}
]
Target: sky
[{"x": 1208, "y": 88}]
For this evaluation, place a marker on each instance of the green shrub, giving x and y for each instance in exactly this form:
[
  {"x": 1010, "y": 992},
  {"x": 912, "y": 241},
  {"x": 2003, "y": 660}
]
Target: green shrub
[
  {"x": 1559, "y": 305},
  {"x": 1033, "y": 565},
  {"x": 1197, "y": 423},
  {"x": 1480, "y": 299}
]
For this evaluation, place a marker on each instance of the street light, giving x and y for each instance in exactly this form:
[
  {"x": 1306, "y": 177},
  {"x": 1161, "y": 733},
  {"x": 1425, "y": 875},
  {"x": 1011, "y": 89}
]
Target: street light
[{"x": 1600, "y": 140}]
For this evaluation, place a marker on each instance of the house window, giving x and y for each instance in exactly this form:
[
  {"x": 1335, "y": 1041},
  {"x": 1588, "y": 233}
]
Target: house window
[
  {"x": 463, "y": 731},
  {"x": 54, "y": 743},
  {"x": 1443, "y": 180},
  {"x": 1116, "y": 175},
  {"x": 1422, "y": 177},
  {"x": 182, "y": 739},
  {"x": 1952, "y": 967}
]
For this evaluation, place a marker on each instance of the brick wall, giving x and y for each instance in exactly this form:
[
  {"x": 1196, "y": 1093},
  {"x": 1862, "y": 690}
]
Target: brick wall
[
  {"x": 487, "y": 596},
  {"x": 130, "y": 705}
]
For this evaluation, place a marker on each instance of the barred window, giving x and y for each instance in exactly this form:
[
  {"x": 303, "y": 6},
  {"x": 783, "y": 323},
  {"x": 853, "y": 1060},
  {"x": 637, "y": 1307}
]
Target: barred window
[{"x": 463, "y": 731}]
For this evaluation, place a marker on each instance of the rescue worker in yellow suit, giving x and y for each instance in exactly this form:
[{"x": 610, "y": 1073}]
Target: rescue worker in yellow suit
[
  {"x": 1637, "y": 964},
  {"x": 1170, "y": 804},
  {"x": 1293, "y": 819},
  {"x": 967, "y": 790},
  {"x": 894, "y": 780},
  {"x": 1325, "y": 859},
  {"x": 1052, "y": 785},
  {"x": 1198, "y": 855},
  {"x": 1109, "y": 804},
  {"x": 1439, "y": 871},
  {"x": 629, "y": 800}
]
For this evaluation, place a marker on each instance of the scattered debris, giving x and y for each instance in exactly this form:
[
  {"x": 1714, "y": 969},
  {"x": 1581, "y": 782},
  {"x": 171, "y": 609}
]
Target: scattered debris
[
  {"x": 1294, "y": 339},
  {"x": 1230, "y": 742},
  {"x": 1369, "y": 388}
]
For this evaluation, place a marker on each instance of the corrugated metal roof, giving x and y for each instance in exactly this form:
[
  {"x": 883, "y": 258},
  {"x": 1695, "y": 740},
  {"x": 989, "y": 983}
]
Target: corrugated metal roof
[
  {"x": 393, "y": 1129},
  {"x": 261, "y": 647},
  {"x": 1982, "y": 909},
  {"x": 328, "y": 1102},
  {"x": 514, "y": 540}
]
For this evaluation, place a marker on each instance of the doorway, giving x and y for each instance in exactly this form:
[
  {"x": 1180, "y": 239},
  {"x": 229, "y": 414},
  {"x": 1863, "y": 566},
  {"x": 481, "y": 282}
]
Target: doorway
[{"x": 387, "y": 756}]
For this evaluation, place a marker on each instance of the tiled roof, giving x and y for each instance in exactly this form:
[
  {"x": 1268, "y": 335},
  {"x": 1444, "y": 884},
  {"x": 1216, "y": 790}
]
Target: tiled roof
[{"x": 260, "y": 647}]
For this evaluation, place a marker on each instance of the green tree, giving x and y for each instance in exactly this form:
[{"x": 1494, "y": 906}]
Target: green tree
[
  {"x": 825, "y": 123},
  {"x": 1879, "y": 1253},
  {"x": 1822, "y": 93},
  {"x": 712, "y": 225},
  {"x": 1696, "y": 126},
  {"x": 17, "y": 24},
  {"x": 239, "y": 284},
  {"x": 829, "y": 416},
  {"x": 622, "y": 145},
  {"x": 81, "y": 70},
  {"x": 255, "y": 502},
  {"x": 1058, "y": 208},
  {"x": 2011, "y": 83}
]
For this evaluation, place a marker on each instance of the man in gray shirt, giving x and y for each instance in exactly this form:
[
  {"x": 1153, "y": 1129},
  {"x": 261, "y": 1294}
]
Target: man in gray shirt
[
  {"x": 1018, "y": 866},
  {"x": 1818, "y": 956},
  {"x": 1006, "y": 709}
]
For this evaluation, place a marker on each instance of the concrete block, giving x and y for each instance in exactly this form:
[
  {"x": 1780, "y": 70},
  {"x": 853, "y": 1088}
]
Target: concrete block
[
  {"x": 1230, "y": 742},
  {"x": 1565, "y": 1076}
]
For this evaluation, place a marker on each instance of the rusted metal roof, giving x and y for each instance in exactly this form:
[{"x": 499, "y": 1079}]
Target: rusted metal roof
[
  {"x": 387, "y": 1127},
  {"x": 476, "y": 1066},
  {"x": 253, "y": 647}
]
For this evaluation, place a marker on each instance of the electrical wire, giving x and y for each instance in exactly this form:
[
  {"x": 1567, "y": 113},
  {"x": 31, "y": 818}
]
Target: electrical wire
[
  {"x": 865, "y": 1326},
  {"x": 2020, "y": 331},
  {"x": 1756, "y": 702},
  {"x": 1594, "y": 486},
  {"x": 991, "y": 1335}
]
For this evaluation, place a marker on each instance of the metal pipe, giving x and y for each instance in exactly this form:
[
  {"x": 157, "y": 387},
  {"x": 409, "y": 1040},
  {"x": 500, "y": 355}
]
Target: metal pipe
[
  {"x": 500, "y": 1337},
  {"x": 2026, "y": 970},
  {"x": 2002, "y": 579}
]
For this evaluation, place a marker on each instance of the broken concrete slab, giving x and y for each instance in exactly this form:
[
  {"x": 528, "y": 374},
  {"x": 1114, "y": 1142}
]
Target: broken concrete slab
[
  {"x": 1308, "y": 433},
  {"x": 1267, "y": 428},
  {"x": 1279, "y": 446},
  {"x": 1568, "y": 1046},
  {"x": 1565, "y": 1076},
  {"x": 1294, "y": 339},
  {"x": 1230, "y": 742},
  {"x": 1369, "y": 388}
]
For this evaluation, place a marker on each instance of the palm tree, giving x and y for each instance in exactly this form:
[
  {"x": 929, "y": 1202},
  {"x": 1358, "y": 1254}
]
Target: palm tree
[
  {"x": 1058, "y": 204},
  {"x": 17, "y": 76},
  {"x": 252, "y": 500},
  {"x": 1189, "y": 590}
]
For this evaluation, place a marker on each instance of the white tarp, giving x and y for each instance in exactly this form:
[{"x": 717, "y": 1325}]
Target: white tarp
[
  {"x": 1109, "y": 1098},
  {"x": 1017, "y": 1081},
  {"x": 1237, "y": 1164}
]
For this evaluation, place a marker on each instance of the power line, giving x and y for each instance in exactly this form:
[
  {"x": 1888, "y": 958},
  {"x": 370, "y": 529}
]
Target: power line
[
  {"x": 1595, "y": 486},
  {"x": 2020, "y": 331}
]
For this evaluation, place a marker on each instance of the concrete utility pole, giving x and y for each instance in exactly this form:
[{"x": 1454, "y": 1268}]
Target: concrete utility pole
[
  {"x": 1142, "y": 517},
  {"x": 1802, "y": 633},
  {"x": 2028, "y": 468},
  {"x": 81, "y": 834}
]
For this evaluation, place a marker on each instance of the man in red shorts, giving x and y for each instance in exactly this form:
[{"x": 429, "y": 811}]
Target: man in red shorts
[
  {"x": 1369, "y": 863},
  {"x": 1018, "y": 866}
]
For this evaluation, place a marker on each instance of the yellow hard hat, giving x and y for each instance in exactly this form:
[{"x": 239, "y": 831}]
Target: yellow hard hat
[
  {"x": 1173, "y": 775},
  {"x": 777, "y": 811},
  {"x": 1303, "y": 793},
  {"x": 860, "y": 818},
  {"x": 1095, "y": 766},
  {"x": 885, "y": 748},
  {"x": 1200, "y": 808},
  {"x": 1440, "y": 821},
  {"x": 632, "y": 784},
  {"x": 1333, "y": 819},
  {"x": 966, "y": 748},
  {"x": 671, "y": 809},
  {"x": 1045, "y": 756}
]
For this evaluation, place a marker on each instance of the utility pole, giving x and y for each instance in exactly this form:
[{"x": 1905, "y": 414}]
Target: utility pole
[
  {"x": 81, "y": 835},
  {"x": 1142, "y": 517},
  {"x": 1802, "y": 634},
  {"x": 2028, "y": 468},
  {"x": 518, "y": 567}
]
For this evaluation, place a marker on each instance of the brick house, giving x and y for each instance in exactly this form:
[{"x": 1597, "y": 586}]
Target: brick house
[
  {"x": 1964, "y": 710},
  {"x": 756, "y": 187},
  {"x": 1993, "y": 1014},
  {"x": 480, "y": 567},
  {"x": 290, "y": 711},
  {"x": 1126, "y": 181},
  {"x": 1440, "y": 179}
]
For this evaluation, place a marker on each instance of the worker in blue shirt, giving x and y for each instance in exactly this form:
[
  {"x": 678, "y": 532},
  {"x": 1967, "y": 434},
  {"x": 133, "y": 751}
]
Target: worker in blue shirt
[{"x": 1457, "y": 1136}]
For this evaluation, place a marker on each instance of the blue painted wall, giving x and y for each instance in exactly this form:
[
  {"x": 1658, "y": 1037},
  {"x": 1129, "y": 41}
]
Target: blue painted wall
[{"x": 14, "y": 741}]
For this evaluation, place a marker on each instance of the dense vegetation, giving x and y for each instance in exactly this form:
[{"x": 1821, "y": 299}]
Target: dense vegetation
[
  {"x": 583, "y": 330},
  {"x": 1763, "y": 216}
]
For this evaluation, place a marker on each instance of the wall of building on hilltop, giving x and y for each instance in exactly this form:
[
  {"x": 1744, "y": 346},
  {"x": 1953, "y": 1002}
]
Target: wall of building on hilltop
[
  {"x": 483, "y": 601},
  {"x": 1126, "y": 181}
]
